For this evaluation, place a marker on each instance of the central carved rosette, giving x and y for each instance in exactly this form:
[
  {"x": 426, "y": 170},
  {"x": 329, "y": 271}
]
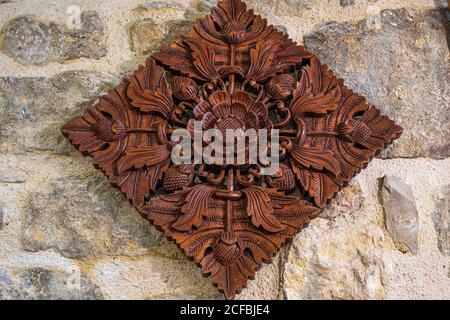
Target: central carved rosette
[
  {"x": 223, "y": 111},
  {"x": 233, "y": 115}
]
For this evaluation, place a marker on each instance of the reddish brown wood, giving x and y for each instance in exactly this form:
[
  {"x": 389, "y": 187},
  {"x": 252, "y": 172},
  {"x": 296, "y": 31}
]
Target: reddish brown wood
[{"x": 232, "y": 70}]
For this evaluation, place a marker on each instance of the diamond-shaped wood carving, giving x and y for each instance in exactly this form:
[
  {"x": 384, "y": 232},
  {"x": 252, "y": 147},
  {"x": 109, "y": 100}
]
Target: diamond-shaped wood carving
[{"x": 231, "y": 70}]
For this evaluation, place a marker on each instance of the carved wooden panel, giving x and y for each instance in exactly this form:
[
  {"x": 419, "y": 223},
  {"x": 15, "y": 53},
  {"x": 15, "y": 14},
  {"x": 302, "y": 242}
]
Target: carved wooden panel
[{"x": 231, "y": 70}]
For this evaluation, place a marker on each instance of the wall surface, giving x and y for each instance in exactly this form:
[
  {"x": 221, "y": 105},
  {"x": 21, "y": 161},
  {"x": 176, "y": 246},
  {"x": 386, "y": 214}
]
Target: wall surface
[{"x": 65, "y": 233}]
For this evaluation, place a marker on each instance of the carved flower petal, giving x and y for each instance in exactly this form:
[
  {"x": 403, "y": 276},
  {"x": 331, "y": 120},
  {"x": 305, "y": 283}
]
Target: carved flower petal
[
  {"x": 242, "y": 97},
  {"x": 238, "y": 110},
  {"x": 219, "y": 97},
  {"x": 201, "y": 109},
  {"x": 208, "y": 120},
  {"x": 251, "y": 121},
  {"x": 261, "y": 111}
]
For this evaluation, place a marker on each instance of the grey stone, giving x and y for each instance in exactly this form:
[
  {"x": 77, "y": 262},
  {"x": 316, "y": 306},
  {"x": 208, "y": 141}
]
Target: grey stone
[
  {"x": 158, "y": 5},
  {"x": 206, "y": 5},
  {"x": 86, "y": 42},
  {"x": 28, "y": 40},
  {"x": 148, "y": 36},
  {"x": 33, "y": 42},
  {"x": 399, "y": 60},
  {"x": 2, "y": 216},
  {"x": 3, "y": 101},
  {"x": 7, "y": 288},
  {"x": 6, "y": 215},
  {"x": 441, "y": 219},
  {"x": 282, "y": 7},
  {"x": 32, "y": 110},
  {"x": 401, "y": 216},
  {"x": 346, "y": 3},
  {"x": 12, "y": 177},
  {"x": 281, "y": 28},
  {"x": 82, "y": 218},
  {"x": 40, "y": 283}
]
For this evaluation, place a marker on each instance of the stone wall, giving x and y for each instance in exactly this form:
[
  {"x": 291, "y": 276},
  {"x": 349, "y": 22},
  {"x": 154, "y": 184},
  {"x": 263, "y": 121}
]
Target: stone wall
[{"x": 65, "y": 233}]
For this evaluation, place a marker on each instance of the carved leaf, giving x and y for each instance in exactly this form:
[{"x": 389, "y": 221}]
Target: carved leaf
[
  {"x": 316, "y": 159},
  {"x": 165, "y": 209},
  {"x": 225, "y": 40},
  {"x": 204, "y": 58},
  {"x": 228, "y": 277},
  {"x": 196, "y": 206},
  {"x": 101, "y": 131},
  {"x": 150, "y": 91},
  {"x": 319, "y": 185},
  {"x": 196, "y": 245},
  {"x": 317, "y": 92},
  {"x": 229, "y": 10},
  {"x": 261, "y": 60},
  {"x": 261, "y": 247},
  {"x": 178, "y": 56},
  {"x": 297, "y": 215},
  {"x": 320, "y": 103},
  {"x": 135, "y": 185},
  {"x": 289, "y": 54},
  {"x": 144, "y": 156},
  {"x": 156, "y": 173},
  {"x": 259, "y": 207}
]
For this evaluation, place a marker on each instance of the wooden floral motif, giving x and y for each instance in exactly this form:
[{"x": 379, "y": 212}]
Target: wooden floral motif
[{"x": 232, "y": 71}]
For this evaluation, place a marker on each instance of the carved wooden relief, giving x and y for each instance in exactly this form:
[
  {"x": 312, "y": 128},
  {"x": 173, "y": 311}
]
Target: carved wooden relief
[{"x": 230, "y": 71}]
